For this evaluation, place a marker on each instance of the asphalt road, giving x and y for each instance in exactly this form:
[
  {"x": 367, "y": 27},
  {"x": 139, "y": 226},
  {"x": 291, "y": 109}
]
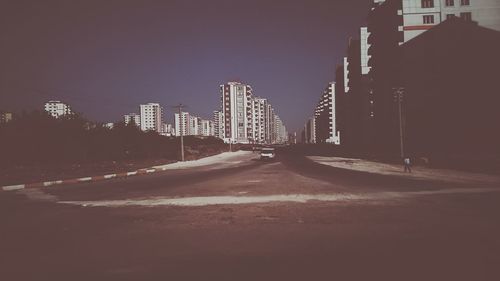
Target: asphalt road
[{"x": 288, "y": 219}]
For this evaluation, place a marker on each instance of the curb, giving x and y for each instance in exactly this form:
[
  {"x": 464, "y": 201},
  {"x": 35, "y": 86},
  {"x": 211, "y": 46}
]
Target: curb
[{"x": 81, "y": 180}]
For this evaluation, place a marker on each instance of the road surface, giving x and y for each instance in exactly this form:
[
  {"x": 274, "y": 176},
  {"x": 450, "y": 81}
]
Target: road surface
[{"x": 244, "y": 219}]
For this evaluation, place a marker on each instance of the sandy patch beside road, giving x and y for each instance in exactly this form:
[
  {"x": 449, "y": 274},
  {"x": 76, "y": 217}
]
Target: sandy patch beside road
[
  {"x": 225, "y": 157},
  {"x": 418, "y": 172}
]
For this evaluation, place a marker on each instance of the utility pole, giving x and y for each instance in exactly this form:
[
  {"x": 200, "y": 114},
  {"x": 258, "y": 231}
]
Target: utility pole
[
  {"x": 181, "y": 124},
  {"x": 398, "y": 95}
]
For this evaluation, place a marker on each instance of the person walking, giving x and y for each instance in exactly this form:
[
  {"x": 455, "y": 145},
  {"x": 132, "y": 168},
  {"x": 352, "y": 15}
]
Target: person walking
[{"x": 407, "y": 164}]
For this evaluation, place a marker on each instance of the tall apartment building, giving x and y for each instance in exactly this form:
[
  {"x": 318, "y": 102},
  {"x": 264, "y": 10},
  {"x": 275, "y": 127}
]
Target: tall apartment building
[
  {"x": 190, "y": 125},
  {"x": 194, "y": 125},
  {"x": 325, "y": 117},
  {"x": 57, "y": 109},
  {"x": 259, "y": 119},
  {"x": 346, "y": 75},
  {"x": 168, "y": 130},
  {"x": 151, "y": 117},
  {"x": 364, "y": 46},
  {"x": 218, "y": 124},
  {"x": 207, "y": 128},
  {"x": 269, "y": 124},
  {"x": 182, "y": 124},
  {"x": 309, "y": 135},
  {"x": 132, "y": 117},
  {"x": 281, "y": 132},
  {"x": 237, "y": 112}
]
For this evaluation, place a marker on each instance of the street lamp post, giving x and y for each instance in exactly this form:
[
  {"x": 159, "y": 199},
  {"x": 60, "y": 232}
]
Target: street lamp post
[{"x": 398, "y": 95}]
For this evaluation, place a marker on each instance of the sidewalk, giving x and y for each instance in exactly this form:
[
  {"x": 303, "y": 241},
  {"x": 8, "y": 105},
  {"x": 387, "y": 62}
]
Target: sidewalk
[
  {"x": 418, "y": 172},
  {"x": 224, "y": 157}
]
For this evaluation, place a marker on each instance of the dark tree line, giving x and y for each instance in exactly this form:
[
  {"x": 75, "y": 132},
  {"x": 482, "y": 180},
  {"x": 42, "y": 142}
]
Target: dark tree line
[{"x": 37, "y": 138}]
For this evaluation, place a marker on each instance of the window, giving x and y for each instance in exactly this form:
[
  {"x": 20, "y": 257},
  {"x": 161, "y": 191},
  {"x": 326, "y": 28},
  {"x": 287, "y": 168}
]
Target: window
[
  {"x": 428, "y": 19},
  {"x": 427, "y": 3},
  {"x": 465, "y": 2},
  {"x": 450, "y": 16},
  {"x": 449, "y": 3},
  {"x": 466, "y": 16}
]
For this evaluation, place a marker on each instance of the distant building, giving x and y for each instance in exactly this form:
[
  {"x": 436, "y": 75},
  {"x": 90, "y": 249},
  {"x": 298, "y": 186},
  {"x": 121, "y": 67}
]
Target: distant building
[
  {"x": 207, "y": 128},
  {"x": 237, "y": 112},
  {"x": 310, "y": 131},
  {"x": 5, "y": 117},
  {"x": 218, "y": 124},
  {"x": 168, "y": 130},
  {"x": 151, "y": 117},
  {"x": 259, "y": 119},
  {"x": 292, "y": 138},
  {"x": 108, "y": 125},
  {"x": 364, "y": 47},
  {"x": 325, "y": 117},
  {"x": 281, "y": 132},
  {"x": 246, "y": 118},
  {"x": 182, "y": 124},
  {"x": 194, "y": 125},
  {"x": 132, "y": 117},
  {"x": 57, "y": 109}
]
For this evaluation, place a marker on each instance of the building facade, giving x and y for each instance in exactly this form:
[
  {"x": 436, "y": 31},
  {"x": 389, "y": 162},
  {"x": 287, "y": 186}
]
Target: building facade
[
  {"x": 57, "y": 109},
  {"x": 325, "y": 117},
  {"x": 259, "y": 119},
  {"x": 207, "y": 128},
  {"x": 218, "y": 124},
  {"x": 132, "y": 117},
  {"x": 168, "y": 130},
  {"x": 151, "y": 117},
  {"x": 182, "y": 124},
  {"x": 237, "y": 112},
  {"x": 5, "y": 117}
]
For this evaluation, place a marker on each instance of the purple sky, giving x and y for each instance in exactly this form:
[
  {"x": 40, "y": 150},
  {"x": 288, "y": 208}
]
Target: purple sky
[{"x": 106, "y": 57}]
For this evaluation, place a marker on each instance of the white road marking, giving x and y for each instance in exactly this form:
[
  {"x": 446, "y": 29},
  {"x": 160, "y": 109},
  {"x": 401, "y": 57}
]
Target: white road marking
[
  {"x": 293, "y": 198},
  {"x": 13, "y": 187},
  {"x": 85, "y": 179}
]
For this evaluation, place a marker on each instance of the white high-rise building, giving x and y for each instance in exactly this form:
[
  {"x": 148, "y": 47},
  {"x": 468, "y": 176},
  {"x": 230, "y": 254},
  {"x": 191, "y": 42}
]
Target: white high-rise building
[
  {"x": 237, "y": 112},
  {"x": 364, "y": 45},
  {"x": 182, "y": 124},
  {"x": 194, "y": 125},
  {"x": 132, "y": 117},
  {"x": 259, "y": 119},
  {"x": 57, "y": 109},
  {"x": 168, "y": 130},
  {"x": 346, "y": 75},
  {"x": 207, "y": 128},
  {"x": 151, "y": 117},
  {"x": 281, "y": 132},
  {"x": 218, "y": 124}
]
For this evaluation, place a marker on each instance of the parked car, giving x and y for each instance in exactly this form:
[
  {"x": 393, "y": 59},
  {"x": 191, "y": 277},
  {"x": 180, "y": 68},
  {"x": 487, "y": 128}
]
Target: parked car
[{"x": 267, "y": 153}]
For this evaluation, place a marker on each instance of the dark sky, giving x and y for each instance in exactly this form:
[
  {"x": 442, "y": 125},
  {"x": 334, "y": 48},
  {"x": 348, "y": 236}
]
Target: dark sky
[{"x": 106, "y": 57}]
